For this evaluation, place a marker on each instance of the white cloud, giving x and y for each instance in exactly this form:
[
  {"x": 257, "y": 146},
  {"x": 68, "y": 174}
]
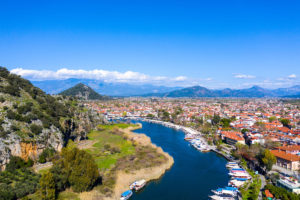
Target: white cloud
[
  {"x": 180, "y": 78},
  {"x": 98, "y": 74},
  {"x": 292, "y": 76},
  {"x": 244, "y": 76}
]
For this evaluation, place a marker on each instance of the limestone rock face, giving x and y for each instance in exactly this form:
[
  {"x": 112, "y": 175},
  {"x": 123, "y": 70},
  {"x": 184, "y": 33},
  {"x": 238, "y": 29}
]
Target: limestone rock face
[{"x": 15, "y": 146}]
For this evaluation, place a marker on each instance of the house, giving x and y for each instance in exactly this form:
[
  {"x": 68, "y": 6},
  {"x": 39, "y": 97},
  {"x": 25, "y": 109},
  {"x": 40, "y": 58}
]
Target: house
[
  {"x": 286, "y": 160},
  {"x": 232, "y": 137},
  {"x": 293, "y": 149}
]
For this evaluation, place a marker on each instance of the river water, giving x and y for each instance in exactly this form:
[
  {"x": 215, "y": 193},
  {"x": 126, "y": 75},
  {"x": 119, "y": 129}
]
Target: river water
[{"x": 193, "y": 175}]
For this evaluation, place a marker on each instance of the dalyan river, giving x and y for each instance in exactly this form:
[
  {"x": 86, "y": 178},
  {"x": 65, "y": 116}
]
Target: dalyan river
[{"x": 193, "y": 175}]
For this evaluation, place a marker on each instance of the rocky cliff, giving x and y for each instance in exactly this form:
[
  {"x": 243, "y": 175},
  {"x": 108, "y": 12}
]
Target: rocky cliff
[{"x": 31, "y": 121}]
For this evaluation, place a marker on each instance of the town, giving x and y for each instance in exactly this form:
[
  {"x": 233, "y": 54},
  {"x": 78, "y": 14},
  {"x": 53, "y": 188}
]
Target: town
[{"x": 264, "y": 133}]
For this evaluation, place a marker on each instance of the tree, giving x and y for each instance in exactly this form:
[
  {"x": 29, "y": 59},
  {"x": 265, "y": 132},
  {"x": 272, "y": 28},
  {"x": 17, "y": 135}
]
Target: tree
[
  {"x": 215, "y": 120},
  {"x": 285, "y": 122},
  {"x": 225, "y": 122},
  {"x": 244, "y": 130},
  {"x": 47, "y": 186},
  {"x": 272, "y": 118},
  {"x": 75, "y": 168},
  {"x": 268, "y": 159}
]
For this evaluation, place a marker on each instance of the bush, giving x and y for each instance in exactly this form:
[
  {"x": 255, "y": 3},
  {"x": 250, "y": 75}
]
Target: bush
[
  {"x": 6, "y": 192},
  {"x": 18, "y": 183},
  {"x": 36, "y": 129},
  {"x": 46, "y": 154},
  {"x": 15, "y": 163}
]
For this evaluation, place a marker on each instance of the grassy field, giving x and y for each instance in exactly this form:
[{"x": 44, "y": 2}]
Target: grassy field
[
  {"x": 109, "y": 146},
  {"x": 113, "y": 151}
]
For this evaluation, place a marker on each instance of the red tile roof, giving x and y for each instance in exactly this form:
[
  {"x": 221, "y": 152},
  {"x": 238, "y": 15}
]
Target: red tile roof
[
  {"x": 285, "y": 156},
  {"x": 237, "y": 136}
]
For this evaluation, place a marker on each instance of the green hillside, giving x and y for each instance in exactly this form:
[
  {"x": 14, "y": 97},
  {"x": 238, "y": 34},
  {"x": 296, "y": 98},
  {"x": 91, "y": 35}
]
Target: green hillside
[{"x": 83, "y": 92}]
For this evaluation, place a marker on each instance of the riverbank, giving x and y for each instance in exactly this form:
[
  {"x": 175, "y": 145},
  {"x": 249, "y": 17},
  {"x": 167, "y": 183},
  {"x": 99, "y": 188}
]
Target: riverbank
[
  {"x": 124, "y": 177},
  {"x": 190, "y": 131}
]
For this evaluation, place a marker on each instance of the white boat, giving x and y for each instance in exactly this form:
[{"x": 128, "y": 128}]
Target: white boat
[
  {"x": 126, "y": 195},
  {"x": 222, "y": 197},
  {"x": 232, "y": 165},
  {"x": 227, "y": 191},
  {"x": 236, "y": 183},
  {"x": 240, "y": 175},
  {"x": 137, "y": 185}
]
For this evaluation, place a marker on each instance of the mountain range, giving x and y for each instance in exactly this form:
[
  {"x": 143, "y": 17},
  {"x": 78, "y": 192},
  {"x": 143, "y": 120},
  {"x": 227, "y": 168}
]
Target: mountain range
[
  {"x": 101, "y": 87},
  {"x": 255, "y": 91},
  {"x": 148, "y": 90}
]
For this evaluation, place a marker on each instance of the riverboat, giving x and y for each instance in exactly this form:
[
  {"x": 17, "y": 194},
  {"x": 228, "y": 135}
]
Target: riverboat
[
  {"x": 137, "y": 185},
  {"x": 232, "y": 165},
  {"x": 222, "y": 197},
  {"x": 230, "y": 191},
  {"x": 126, "y": 195}
]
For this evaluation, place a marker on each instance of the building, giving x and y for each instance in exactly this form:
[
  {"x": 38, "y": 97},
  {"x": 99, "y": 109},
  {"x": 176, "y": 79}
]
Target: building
[
  {"x": 289, "y": 183},
  {"x": 286, "y": 160},
  {"x": 232, "y": 137},
  {"x": 293, "y": 149}
]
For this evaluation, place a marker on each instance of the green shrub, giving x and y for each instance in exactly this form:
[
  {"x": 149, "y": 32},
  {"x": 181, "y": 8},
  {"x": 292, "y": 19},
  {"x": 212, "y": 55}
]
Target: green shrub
[
  {"x": 36, "y": 129},
  {"x": 46, "y": 154},
  {"x": 15, "y": 163},
  {"x": 6, "y": 192}
]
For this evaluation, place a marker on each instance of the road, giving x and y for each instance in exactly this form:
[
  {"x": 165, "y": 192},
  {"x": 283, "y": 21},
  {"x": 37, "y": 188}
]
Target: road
[{"x": 263, "y": 184}]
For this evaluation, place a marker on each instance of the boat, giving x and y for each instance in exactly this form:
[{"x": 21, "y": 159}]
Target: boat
[
  {"x": 137, "y": 185},
  {"x": 126, "y": 195},
  {"x": 206, "y": 149},
  {"x": 229, "y": 191},
  {"x": 240, "y": 175},
  {"x": 236, "y": 183},
  {"x": 222, "y": 197},
  {"x": 232, "y": 165}
]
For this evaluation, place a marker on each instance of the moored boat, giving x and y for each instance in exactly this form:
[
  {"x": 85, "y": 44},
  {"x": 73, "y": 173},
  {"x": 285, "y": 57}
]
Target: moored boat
[
  {"x": 222, "y": 197},
  {"x": 229, "y": 191},
  {"x": 137, "y": 185},
  {"x": 126, "y": 195}
]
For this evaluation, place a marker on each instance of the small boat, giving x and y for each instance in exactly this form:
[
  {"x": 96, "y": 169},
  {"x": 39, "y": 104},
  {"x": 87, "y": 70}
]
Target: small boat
[
  {"x": 126, "y": 195},
  {"x": 222, "y": 197},
  {"x": 206, "y": 150},
  {"x": 240, "y": 175},
  {"x": 137, "y": 185},
  {"x": 232, "y": 165},
  {"x": 228, "y": 191}
]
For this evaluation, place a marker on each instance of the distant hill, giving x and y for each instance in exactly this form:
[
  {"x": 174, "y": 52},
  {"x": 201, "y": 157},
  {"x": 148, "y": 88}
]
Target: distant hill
[
  {"x": 104, "y": 88},
  {"x": 84, "y": 92},
  {"x": 253, "y": 92}
]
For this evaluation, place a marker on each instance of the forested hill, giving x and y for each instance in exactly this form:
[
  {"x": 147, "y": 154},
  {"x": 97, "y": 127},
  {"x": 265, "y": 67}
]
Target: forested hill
[
  {"x": 32, "y": 121},
  {"x": 83, "y": 92}
]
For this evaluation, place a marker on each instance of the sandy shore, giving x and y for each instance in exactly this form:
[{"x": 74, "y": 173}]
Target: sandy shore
[{"x": 125, "y": 179}]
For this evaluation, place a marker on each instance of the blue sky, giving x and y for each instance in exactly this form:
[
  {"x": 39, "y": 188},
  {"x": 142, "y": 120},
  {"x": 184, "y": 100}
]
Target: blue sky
[{"x": 213, "y": 43}]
